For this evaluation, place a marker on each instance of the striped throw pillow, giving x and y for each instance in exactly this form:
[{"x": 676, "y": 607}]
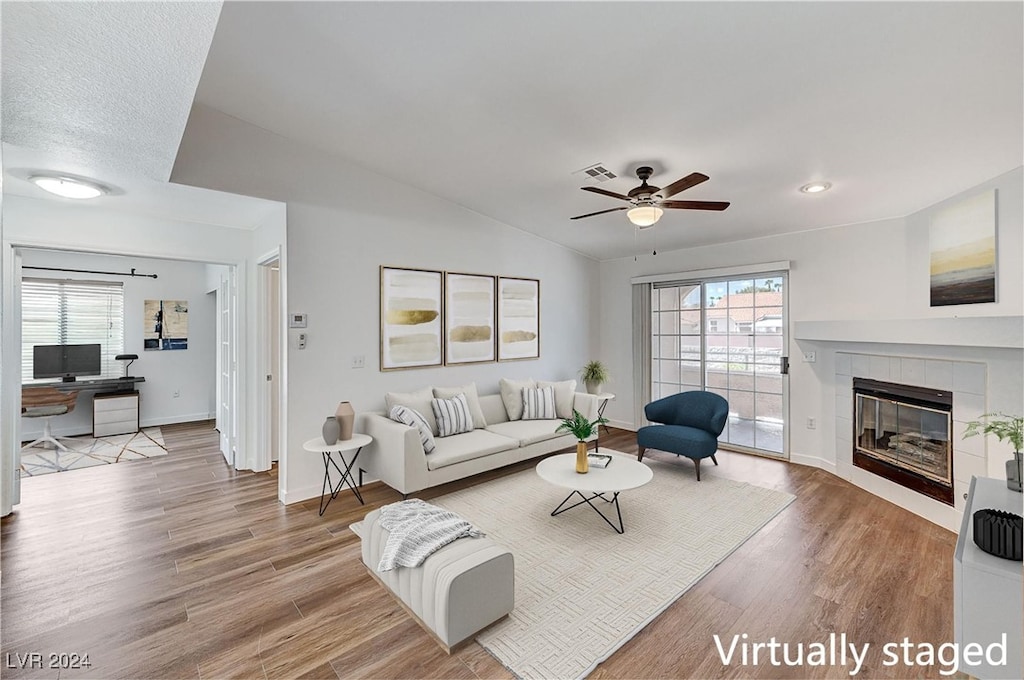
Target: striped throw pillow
[
  {"x": 413, "y": 418},
  {"x": 452, "y": 415},
  {"x": 539, "y": 403}
]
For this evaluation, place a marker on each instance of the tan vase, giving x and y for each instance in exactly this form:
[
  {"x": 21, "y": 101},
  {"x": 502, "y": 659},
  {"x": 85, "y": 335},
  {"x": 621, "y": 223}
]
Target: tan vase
[
  {"x": 346, "y": 418},
  {"x": 582, "y": 465}
]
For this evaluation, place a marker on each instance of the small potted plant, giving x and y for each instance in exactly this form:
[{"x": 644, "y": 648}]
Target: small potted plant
[
  {"x": 593, "y": 375},
  {"x": 1006, "y": 428},
  {"x": 582, "y": 429}
]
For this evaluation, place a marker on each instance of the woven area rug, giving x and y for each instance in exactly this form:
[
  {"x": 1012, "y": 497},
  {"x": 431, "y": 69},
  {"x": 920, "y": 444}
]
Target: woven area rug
[
  {"x": 89, "y": 451},
  {"x": 582, "y": 590}
]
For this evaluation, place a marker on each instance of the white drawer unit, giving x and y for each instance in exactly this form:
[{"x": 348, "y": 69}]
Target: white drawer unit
[{"x": 115, "y": 414}]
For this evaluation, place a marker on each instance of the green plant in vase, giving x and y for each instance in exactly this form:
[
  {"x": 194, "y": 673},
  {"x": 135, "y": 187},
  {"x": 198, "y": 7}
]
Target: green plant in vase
[
  {"x": 583, "y": 429},
  {"x": 594, "y": 374},
  {"x": 1006, "y": 428}
]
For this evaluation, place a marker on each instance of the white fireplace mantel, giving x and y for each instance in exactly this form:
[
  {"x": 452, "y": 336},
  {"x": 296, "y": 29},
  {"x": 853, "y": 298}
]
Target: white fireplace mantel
[{"x": 975, "y": 331}]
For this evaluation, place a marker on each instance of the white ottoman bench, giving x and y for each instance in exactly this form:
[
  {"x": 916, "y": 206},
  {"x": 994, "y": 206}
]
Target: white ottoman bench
[{"x": 458, "y": 591}]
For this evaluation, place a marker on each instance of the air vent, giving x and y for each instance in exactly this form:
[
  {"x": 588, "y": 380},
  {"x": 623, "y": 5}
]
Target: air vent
[{"x": 596, "y": 173}]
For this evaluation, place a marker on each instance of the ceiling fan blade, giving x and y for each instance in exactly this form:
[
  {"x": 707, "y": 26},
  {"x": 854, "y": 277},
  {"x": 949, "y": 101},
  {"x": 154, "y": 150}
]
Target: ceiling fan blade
[
  {"x": 695, "y": 205},
  {"x": 605, "y": 192},
  {"x": 691, "y": 180},
  {"x": 600, "y": 212}
]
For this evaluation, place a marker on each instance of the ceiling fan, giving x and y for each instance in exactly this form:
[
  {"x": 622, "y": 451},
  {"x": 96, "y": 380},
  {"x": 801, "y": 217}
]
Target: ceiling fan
[{"x": 647, "y": 202}]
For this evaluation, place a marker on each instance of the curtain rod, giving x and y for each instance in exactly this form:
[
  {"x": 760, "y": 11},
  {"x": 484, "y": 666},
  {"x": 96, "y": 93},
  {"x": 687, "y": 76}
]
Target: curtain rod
[{"x": 92, "y": 271}]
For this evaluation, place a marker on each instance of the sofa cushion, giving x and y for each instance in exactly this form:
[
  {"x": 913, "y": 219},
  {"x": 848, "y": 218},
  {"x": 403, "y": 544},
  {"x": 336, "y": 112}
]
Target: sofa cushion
[
  {"x": 413, "y": 418},
  {"x": 467, "y": 446},
  {"x": 679, "y": 439},
  {"x": 452, "y": 415},
  {"x": 472, "y": 398},
  {"x": 417, "y": 401},
  {"x": 565, "y": 392},
  {"x": 512, "y": 395},
  {"x": 539, "y": 403},
  {"x": 527, "y": 432}
]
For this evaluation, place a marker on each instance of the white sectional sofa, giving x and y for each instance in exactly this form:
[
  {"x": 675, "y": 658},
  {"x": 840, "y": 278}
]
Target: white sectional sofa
[{"x": 396, "y": 455}]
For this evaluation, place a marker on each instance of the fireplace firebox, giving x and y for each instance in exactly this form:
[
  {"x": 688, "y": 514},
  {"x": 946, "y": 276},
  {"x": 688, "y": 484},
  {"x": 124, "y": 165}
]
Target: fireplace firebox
[{"x": 904, "y": 434}]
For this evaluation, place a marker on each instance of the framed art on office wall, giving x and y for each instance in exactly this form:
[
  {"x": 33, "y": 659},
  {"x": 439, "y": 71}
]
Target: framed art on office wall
[
  {"x": 469, "y": 315},
  {"x": 518, "y": 318},
  {"x": 411, "y": 321},
  {"x": 165, "y": 325}
]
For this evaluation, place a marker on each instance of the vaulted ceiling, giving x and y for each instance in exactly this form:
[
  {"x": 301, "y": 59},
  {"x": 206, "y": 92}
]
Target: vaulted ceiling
[{"x": 494, "y": 106}]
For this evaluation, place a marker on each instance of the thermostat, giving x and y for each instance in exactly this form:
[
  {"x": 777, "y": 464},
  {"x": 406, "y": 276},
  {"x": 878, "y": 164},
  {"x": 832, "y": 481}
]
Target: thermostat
[{"x": 296, "y": 320}]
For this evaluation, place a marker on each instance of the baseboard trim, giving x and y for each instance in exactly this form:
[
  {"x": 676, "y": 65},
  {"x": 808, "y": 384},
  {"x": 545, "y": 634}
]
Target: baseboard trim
[
  {"x": 813, "y": 461},
  {"x": 174, "y": 420},
  {"x": 622, "y": 425}
]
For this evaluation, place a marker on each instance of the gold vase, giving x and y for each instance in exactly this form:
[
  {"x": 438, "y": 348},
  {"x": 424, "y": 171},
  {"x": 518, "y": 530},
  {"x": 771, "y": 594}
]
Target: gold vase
[{"x": 582, "y": 465}]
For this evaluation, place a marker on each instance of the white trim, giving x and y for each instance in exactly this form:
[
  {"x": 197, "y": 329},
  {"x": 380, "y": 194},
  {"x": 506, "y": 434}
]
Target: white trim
[
  {"x": 814, "y": 461},
  {"x": 622, "y": 425},
  {"x": 716, "y": 272}
]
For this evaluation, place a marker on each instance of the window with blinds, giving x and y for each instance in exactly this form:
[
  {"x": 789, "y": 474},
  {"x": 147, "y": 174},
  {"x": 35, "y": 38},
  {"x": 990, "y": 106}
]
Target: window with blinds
[{"x": 65, "y": 312}]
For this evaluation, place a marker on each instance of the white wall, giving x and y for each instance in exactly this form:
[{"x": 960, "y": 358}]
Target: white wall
[
  {"x": 343, "y": 224},
  {"x": 872, "y": 272},
  {"x": 190, "y": 372}
]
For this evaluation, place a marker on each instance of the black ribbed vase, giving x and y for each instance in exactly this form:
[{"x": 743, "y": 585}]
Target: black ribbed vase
[{"x": 999, "y": 533}]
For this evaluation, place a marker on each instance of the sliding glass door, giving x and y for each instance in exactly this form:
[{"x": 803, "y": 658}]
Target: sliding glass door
[{"x": 726, "y": 336}]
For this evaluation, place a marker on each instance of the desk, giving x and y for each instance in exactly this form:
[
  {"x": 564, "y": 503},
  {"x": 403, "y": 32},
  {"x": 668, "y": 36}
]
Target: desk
[
  {"x": 97, "y": 385},
  {"x": 356, "y": 444}
]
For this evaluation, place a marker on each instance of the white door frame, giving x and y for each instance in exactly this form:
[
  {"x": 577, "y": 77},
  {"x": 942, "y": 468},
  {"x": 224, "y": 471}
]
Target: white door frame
[
  {"x": 227, "y": 422},
  {"x": 263, "y": 365}
]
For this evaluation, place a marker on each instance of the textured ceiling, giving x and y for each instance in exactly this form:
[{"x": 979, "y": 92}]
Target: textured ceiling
[
  {"x": 103, "y": 84},
  {"x": 494, "y": 105}
]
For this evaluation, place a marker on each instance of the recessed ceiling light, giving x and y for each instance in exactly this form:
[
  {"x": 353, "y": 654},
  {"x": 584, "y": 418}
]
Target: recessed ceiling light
[
  {"x": 68, "y": 187},
  {"x": 816, "y": 187}
]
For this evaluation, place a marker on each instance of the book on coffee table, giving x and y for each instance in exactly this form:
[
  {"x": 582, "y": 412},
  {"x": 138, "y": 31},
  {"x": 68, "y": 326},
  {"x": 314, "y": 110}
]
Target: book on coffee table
[{"x": 598, "y": 460}]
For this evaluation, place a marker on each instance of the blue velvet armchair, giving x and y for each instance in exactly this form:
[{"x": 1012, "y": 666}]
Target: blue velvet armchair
[{"x": 688, "y": 424}]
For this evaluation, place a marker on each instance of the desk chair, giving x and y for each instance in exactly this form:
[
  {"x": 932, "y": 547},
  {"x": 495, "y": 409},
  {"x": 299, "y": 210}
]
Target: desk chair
[{"x": 46, "y": 402}]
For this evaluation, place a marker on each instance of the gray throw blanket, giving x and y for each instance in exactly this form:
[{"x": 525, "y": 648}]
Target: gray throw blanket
[{"x": 416, "y": 530}]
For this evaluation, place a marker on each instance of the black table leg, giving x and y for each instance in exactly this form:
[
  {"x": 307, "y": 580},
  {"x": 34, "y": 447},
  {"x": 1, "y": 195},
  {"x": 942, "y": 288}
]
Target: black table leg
[
  {"x": 347, "y": 478},
  {"x": 614, "y": 500}
]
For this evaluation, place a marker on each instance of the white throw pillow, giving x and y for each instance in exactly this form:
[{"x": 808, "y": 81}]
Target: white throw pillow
[
  {"x": 512, "y": 396},
  {"x": 539, "y": 403},
  {"x": 565, "y": 396},
  {"x": 418, "y": 401},
  {"x": 413, "y": 418},
  {"x": 452, "y": 415},
  {"x": 472, "y": 398}
]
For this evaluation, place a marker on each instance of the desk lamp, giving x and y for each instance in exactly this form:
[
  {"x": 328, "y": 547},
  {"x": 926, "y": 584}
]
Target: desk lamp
[{"x": 130, "y": 358}]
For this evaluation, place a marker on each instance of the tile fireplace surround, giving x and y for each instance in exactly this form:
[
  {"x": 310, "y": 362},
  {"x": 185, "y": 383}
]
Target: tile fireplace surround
[{"x": 968, "y": 381}]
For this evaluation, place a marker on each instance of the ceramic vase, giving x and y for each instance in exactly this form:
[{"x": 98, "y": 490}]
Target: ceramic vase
[
  {"x": 593, "y": 387},
  {"x": 582, "y": 464},
  {"x": 330, "y": 431},
  {"x": 346, "y": 419},
  {"x": 1013, "y": 472}
]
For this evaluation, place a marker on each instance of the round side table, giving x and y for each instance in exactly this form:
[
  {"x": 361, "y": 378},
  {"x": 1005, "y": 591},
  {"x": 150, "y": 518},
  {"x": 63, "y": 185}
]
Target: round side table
[{"x": 356, "y": 443}]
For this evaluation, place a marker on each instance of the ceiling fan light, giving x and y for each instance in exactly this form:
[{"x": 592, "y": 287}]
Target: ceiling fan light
[
  {"x": 68, "y": 187},
  {"x": 645, "y": 216}
]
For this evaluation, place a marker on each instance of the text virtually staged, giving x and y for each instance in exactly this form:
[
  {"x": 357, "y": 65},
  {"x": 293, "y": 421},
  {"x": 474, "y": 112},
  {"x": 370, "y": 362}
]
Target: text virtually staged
[{"x": 838, "y": 650}]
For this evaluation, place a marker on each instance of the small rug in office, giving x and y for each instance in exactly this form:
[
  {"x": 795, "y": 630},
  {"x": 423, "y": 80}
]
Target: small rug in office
[{"x": 86, "y": 452}]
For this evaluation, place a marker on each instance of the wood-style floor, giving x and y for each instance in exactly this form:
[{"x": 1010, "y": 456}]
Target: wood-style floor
[{"x": 177, "y": 567}]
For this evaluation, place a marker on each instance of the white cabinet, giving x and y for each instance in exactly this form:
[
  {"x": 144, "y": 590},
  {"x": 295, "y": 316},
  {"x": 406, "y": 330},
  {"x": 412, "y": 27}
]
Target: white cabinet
[
  {"x": 987, "y": 590},
  {"x": 116, "y": 413}
]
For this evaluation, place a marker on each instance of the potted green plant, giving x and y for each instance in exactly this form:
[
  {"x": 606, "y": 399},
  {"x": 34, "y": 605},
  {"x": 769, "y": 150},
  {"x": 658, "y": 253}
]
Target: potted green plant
[
  {"x": 593, "y": 375},
  {"x": 582, "y": 429},
  {"x": 1006, "y": 428}
]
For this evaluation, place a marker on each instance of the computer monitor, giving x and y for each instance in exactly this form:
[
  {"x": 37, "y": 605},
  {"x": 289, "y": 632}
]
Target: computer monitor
[{"x": 65, "y": 361}]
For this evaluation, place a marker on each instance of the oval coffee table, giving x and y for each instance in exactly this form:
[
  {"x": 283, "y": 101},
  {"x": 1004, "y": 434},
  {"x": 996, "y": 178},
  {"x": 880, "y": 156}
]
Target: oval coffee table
[{"x": 621, "y": 474}]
